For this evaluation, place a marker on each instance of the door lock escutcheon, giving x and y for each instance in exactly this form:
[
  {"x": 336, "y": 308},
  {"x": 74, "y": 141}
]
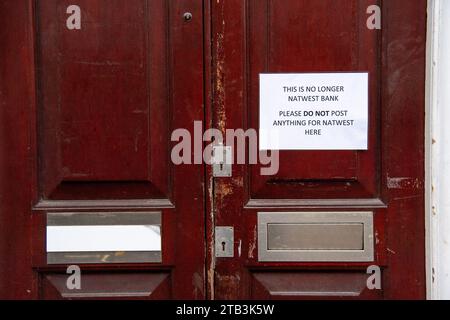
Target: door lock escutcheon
[
  {"x": 222, "y": 161},
  {"x": 224, "y": 242}
]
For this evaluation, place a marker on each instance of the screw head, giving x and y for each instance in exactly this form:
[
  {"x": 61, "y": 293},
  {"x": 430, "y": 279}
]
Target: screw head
[{"x": 187, "y": 16}]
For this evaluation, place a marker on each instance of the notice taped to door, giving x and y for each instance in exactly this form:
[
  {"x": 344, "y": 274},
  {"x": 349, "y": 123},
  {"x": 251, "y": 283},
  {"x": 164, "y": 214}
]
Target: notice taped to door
[{"x": 314, "y": 111}]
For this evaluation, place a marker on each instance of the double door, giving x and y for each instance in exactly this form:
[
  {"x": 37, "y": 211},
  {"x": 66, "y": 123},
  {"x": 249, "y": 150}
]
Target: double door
[{"x": 93, "y": 92}]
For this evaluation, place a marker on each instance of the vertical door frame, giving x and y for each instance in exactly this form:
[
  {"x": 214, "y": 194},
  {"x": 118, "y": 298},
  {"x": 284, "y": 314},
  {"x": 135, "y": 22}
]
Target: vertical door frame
[
  {"x": 438, "y": 150},
  {"x": 208, "y": 177}
]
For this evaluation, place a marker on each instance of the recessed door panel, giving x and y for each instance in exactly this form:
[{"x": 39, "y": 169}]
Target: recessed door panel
[
  {"x": 102, "y": 99},
  {"x": 307, "y": 36}
]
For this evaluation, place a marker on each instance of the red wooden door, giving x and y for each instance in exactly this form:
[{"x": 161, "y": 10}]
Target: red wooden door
[
  {"x": 87, "y": 115},
  {"x": 315, "y": 190}
]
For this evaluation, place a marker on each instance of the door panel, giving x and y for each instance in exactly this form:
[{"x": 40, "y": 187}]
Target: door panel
[
  {"x": 103, "y": 96},
  {"x": 311, "y": 285},
  {"x": 253, "y": 37},
  {"x": 323, "y": 36},
  {"x": 113, "y": 286}
]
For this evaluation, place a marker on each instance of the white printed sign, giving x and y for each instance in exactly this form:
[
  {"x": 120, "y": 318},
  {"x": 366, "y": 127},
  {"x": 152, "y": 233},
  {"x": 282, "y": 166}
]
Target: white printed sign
[{"x": 314, "y": 111}]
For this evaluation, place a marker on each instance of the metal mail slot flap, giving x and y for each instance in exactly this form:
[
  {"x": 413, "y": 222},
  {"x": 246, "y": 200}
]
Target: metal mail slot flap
[
  {"x": 103, "y": 237},
  {"x": 315, "y": 236}
]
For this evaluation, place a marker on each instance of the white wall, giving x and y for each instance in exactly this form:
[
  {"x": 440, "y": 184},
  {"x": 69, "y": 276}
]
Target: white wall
[{"x": 438, "y": 150}]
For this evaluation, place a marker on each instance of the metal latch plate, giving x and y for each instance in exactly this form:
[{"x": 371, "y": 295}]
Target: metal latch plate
[{"x": 222, "y": 161}]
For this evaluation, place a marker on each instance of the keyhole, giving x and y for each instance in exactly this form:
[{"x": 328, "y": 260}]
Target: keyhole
[{"x": 223, "y": 245}]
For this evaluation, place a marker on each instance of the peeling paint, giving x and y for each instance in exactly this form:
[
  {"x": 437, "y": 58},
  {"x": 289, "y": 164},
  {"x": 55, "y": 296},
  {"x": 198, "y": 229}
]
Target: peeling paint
[
  {"x": 210, "y": 275},
  {"x": 229, "y": 286},
  {"x": 223, "y": 189},
  {"x": 220, "y": 78},
  {"x": 403, "y": 183},
  {"x": 197, "y": 282},
  {"x": 238, "y": 181},
  {"x": 212, "y": 266},
  {"x": 391, "y": 251},
  {"x": 226, "y": 188},
  {"x": 252, "y": 244}
]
